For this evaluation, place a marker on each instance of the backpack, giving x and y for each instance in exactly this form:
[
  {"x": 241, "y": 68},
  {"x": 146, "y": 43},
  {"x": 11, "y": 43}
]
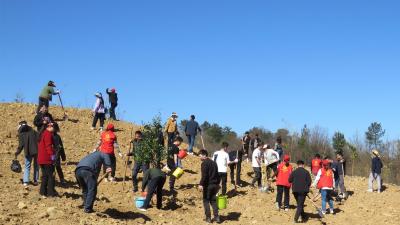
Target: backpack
[{"x": 16, "y": 166}]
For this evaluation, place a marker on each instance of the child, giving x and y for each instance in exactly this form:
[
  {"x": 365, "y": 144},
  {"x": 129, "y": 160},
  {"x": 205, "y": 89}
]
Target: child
[
  {"x": 325, "y": 181},
  {"x": 282, "y": 182}
]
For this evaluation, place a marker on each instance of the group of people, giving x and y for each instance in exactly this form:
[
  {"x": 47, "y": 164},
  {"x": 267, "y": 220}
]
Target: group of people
[{"x": 43, "y": 148}]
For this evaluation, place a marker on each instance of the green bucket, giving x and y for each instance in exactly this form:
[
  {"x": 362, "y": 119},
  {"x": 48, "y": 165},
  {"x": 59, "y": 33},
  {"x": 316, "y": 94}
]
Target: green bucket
[{"x": 222, "y": 201}]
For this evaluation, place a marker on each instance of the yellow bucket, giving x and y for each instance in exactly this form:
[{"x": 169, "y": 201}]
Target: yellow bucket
[{"x": 178, "y": 172}]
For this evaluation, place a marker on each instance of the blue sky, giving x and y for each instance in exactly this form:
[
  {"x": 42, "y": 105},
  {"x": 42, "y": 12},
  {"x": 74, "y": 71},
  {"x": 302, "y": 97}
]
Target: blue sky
[{"x": 238, "y": 63}]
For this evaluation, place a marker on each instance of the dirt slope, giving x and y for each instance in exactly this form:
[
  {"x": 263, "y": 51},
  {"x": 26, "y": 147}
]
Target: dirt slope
[{"x": 114, "y": 206}]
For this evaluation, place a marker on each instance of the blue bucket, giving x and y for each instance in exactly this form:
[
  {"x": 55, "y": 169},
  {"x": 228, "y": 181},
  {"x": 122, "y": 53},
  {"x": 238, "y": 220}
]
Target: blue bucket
[{"x": 139, "y": 201}]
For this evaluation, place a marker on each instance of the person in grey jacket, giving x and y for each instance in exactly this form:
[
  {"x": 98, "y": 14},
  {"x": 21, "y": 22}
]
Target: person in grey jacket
[
  {"x": 28, "y": 141},
  {"x": 191, "y": 129},
  {"x": 87, "y": 172}
]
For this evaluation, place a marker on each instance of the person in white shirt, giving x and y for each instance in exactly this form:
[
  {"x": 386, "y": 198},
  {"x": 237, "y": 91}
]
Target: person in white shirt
[
  {"x": 221, "y": 157},
  {"x": 271, "y": 160},
  {"x": 256, "y": 162}
]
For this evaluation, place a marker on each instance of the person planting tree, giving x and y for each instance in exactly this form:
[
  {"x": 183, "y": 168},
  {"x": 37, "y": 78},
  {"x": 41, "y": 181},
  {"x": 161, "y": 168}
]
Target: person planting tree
[
  {"x": 141, "y": 164},
  {"x": 46, "y": 95},
  {"x": 154, "y": 180}
]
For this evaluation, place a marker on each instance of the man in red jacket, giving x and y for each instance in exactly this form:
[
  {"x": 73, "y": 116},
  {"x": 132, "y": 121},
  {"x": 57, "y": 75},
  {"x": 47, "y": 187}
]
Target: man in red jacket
[
  {"x": 282, "y": 183},
  {"x": 46, "y": 157}
]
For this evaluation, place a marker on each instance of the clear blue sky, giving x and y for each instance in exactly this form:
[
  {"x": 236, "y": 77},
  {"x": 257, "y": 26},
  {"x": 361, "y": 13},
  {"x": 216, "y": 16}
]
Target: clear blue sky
[{"x": 238, "y": 63}]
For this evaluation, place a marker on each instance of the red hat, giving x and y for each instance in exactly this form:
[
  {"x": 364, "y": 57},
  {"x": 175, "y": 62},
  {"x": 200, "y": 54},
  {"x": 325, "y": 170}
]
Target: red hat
[
  {"x": 326, "y": 162},
  {"x": 113, "y": 90},
  {"x": 286, "y": 158},
  {"x": 110, "y": 126}
]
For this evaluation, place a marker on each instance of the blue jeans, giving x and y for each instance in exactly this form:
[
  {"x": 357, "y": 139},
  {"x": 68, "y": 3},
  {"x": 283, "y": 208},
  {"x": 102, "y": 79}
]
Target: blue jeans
[
  {"x": 88, "y": 182},
  {"x": 326, "y": 196},
  {"x": 191, "y": 140},
  {"x": 28, "y": 165}
]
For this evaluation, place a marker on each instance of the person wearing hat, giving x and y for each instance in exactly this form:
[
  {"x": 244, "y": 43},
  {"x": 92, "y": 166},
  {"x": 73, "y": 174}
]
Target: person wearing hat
[
  {"x": 376, "y": 170},
  {"x": 301, "y": 182},
  {"x": 28, "y": 139},
  {"x": 191, "y": 129},
  {"x": 107, "y": 144},
  {"x": 113, "y": 99},
  {"x": 325, "y": 182},
  {"x": 46, "y": 95},
  {"x": 99, "y": 111},
  {"x": 42, "y": 118},
  {"x": 171, "y": 128},
  {"x": 283, "y": 184},
  {"x": 46, "y": 159},
  {"x": 60, "y": 152}
]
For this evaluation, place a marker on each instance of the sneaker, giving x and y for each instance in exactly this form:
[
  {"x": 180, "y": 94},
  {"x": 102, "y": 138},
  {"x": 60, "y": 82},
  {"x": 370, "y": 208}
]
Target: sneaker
[
  {"x": 379, "y": 191},
  {"x": 190, "y": 153},
  {"x": 331, "y": 211},
  {"x": 26, "y": 186},
  {"x": 142, "y": 209},
  {"x": 217, "y": 219},
  {"x": 35, "y": 183},
  {"x": 101, "y": 129},
  {"x": 277, "y": 206},
  {"x": 92, "y": 128},
  {"x": 88, "y": 211},
  {"x": 323, "y": 212},
  {"x": 286, "y": 209},
  {"x": 370, "y": 190},
  {"x": 208, "y": 220}
]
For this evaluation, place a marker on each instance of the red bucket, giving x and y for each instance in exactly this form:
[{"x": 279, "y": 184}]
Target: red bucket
[{"x": 182, "y": 154}]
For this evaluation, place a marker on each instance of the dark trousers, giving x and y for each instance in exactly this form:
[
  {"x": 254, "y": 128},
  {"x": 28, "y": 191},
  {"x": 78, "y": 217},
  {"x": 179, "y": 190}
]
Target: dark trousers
[
  {"x": 300, "y": 199},
  {"x": 171, "y": 138},
  {"x": 48, "y": 182},
  {"x": 238, "y": 168},
  {"x": 112, "y": 111},
  {"x": 224, "y": 178},
  {"x": 88, "y": 182},
  {"x": 135, "y": 171},
  {"x": 99, "y": 116},
  {"x": 210, "y": 198},
  {"x": 280, "y": 191},
  {"x": 155, "y": 186},
  {"x": 257, "y": 176},
  {"x": 42, "y": 102},
  {"x": 59, "y": 170},
  {"x": 113, "y": 165},
  {"x": 172, "y": 166}
]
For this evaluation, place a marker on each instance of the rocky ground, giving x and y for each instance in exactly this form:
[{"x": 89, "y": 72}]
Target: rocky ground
[{"x": 116, "y": 206}]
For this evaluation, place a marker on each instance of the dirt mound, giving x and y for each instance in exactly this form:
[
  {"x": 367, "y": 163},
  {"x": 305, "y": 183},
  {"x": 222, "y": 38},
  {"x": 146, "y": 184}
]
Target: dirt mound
[{"x": 115, "y": 206}]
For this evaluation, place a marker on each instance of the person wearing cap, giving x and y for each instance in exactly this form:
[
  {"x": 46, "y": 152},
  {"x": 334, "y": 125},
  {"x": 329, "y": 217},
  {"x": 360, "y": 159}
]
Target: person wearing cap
[
  {"x": 113, "y": 99},
  {"x": 42, "y": 118},
  {"x": 283, "y": 184},
  {"x": 325, "y": 182},
  {"x": 191, "y": 129},
  {"x": 171, "y": 128},
  {"x": 376, "y": 170},
  {"x": 28, "y": 139},
  {"x": 60, "y": 152},
  {"x": 256, "y": 162},
  {"x": 46, "y": 159},
  {"x": 99, "y": 111},
  {"x": 108, "y": 142},
  {"x": 46, "y": 95},
  {"x": 301, "y": 182}
]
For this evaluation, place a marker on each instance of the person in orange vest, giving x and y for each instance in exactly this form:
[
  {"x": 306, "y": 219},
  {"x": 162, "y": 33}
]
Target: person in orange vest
[
  {"x": 107, "y": 144},
  {"x": 325, "y": 181},
  {"x": 282, "y": 183},
  {"x": 316, "y": 164}
]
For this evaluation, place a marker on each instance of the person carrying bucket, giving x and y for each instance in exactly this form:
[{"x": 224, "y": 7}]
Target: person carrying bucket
[
  {"x": 172, "y": 161},
  {"x": 282, "y": 183},
  {"x": 87, "y": 172},
  {"x": 221, "y": 157},
  {"x": 325, "y": 181},
  {"x": 209, "y": 185},
  {"x": 154, "y": 180}
]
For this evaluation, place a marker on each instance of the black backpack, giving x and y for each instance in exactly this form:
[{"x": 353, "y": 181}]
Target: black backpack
[{"x": 16, "y": 166}]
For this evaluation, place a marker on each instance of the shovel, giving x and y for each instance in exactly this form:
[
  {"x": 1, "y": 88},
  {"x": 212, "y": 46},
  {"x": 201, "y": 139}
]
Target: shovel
[
  {"x": 102, "y": 178},
  {"x": 65, "y": 118},
  {"x": 202, "y": 141},
  {"x": 320, "y": 213}
]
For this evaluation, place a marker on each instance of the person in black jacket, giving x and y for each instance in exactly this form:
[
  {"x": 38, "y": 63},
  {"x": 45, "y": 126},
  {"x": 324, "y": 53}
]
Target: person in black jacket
[
  {"x": 28, "y": 141},
  {"x": 60, "y": 152},
  {"x": 209, "y": 185},
  {"x": 154, "y": 180},
  {"x": 113, "y": 99},
  {"x": 42, "y": 118},
  {"x": 301, "y": 182}
]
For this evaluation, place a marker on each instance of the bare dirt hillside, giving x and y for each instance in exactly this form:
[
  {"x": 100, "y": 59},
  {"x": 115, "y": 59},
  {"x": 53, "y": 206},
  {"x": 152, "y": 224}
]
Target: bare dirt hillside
[{"x": 114, "y": 206}]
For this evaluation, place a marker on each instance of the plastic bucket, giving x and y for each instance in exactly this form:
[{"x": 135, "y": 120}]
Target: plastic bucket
[
  {"x": 182, "y": 154},
  {"x": 178, "y": 172},
  {"x": 222, "y": 201},
  {"x": 139, "y": 202},
  {"x": 144, "y": 194}
]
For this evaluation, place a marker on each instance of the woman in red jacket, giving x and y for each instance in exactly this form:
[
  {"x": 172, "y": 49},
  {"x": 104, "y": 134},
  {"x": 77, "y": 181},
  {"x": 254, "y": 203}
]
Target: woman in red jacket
[
  {"x": 46, "y": 157},
  {"x": 282, "y": 183}
]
